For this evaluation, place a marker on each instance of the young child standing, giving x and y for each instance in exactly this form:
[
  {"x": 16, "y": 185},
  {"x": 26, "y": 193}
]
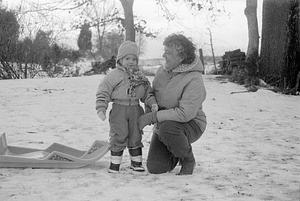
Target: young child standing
[{"x": 125, "y": 86}]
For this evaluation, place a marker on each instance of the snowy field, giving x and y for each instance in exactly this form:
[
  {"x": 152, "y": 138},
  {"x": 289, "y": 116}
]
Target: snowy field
[{"x": 249, "y": 152}]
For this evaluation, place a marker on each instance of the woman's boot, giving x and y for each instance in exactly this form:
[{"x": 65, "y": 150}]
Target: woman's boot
[{"x": 187, "y": 164}]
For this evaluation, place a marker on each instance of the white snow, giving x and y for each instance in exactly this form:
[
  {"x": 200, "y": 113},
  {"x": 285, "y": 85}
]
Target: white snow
[{"x": 249, "y": 152}]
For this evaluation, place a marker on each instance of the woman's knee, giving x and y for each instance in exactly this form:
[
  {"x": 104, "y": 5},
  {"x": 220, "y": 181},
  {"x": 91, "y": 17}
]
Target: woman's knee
[
  {"x": 167, "y": 125},
  {"x": 168, "y": 129}
]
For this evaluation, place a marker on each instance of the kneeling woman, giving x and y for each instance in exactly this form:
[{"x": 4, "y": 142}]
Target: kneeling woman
[{"x": 179, "y": 90}]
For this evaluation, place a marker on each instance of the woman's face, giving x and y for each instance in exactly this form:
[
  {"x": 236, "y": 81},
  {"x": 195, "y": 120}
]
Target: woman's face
[
  {"x": 172, "y": 57},
  {"x": 129, "y": 61}
]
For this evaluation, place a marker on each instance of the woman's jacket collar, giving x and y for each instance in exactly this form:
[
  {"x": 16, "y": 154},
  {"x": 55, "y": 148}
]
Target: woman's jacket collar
[{"x": 196, "y": 65}]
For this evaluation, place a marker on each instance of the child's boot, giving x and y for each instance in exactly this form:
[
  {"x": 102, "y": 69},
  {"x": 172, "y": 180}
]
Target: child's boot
[
  {"x": 136, "y": 159},
  {"x": 115, "y": 161}
]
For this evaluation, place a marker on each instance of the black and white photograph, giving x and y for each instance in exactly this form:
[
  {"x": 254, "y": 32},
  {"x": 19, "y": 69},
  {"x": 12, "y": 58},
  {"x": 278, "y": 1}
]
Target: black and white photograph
[{"x": 149, "y": 100}]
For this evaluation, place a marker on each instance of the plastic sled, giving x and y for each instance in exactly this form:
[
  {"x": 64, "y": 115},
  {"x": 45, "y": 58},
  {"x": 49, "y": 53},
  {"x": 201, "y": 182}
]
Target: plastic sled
[{"x": 55, "y": 156}]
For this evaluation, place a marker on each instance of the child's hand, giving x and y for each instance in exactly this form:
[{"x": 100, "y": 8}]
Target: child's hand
[
  {"x": 154, "y": 108},
  {"x": 101, "y": 115}
]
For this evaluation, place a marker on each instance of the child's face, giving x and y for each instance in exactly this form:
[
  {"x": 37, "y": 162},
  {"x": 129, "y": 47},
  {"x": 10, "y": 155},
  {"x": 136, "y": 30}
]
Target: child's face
[{"x": 129, "y": 61}]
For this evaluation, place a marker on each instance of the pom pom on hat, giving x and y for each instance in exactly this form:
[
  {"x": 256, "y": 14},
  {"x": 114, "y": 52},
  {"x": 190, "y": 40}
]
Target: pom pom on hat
[{"x": 127, "y": 47}]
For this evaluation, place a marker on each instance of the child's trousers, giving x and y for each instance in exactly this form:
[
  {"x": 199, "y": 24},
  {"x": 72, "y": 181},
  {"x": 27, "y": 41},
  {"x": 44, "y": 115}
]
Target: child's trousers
[{"x": 124, "y": 130}]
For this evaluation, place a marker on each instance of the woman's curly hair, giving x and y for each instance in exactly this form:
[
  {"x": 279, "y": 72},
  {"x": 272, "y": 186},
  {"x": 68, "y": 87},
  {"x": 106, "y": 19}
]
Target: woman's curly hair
[{"x": 184, "y": 46}]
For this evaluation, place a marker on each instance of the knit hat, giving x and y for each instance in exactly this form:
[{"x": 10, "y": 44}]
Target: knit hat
[{"x": 127, "y": 47}]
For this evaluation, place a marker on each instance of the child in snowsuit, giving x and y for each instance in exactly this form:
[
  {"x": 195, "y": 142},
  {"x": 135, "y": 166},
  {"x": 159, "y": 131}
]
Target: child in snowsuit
[{"x": 125, "y": 86}]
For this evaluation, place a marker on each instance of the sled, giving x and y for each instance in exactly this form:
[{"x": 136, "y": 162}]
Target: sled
[{"x": 55, "y": 156}]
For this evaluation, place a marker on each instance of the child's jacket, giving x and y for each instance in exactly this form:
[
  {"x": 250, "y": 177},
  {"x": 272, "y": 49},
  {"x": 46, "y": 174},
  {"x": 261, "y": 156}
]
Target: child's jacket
[{"x": 124, "y": 88}]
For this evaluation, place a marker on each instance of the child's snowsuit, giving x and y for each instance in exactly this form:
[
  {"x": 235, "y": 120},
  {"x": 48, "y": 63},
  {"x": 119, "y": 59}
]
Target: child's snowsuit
[{"x": 124, "y": 88}]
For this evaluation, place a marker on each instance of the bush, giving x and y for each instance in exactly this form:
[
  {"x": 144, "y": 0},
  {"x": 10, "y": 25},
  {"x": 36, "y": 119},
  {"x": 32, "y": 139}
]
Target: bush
[{"x": 239, "y": 75}]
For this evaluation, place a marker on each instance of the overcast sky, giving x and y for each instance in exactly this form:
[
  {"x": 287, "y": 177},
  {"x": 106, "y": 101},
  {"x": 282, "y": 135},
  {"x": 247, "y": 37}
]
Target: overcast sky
[{"x": 229, "y": 31}]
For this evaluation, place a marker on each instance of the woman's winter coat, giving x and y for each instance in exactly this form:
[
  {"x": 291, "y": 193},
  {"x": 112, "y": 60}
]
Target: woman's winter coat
[{"x": 180, "y": 94}]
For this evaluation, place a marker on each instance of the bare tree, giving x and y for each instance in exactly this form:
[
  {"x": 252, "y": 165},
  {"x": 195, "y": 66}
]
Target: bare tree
[
  {"x": 253, "y": 37},
  {"x": 101, "y": 15},
  {"x": 212, "y": 49},
  {"x": 280, "y": 45},
  {"x": 129, "y": 22},
  {"x": 274, "y": 36},
  {"x": 195, "y": 6},
  {"x": 127, "y": 5}
]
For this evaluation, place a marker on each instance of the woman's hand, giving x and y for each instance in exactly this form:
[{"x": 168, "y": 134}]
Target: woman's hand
[
  {"x": 101, "y": 115},
  {"x": 147, "y": 119}
]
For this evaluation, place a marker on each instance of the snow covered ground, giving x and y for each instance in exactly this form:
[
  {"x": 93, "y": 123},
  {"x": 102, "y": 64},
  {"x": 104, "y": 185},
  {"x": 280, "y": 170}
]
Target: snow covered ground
[{"x": 249, "y": 152}]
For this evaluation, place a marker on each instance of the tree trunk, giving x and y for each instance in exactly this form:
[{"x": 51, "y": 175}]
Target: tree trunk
[
  {"x": 292, "y": 50},
  {"x": 253, "y": 37},
  {"x": 101, "y": 37},
  {"x": 129, "y": 23},
  {"x": 212, "y": 50},
  {"x": 202, "y": 59},
  {"x": 26, "y": 70},
  {"x": 273, "y": 41}
]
